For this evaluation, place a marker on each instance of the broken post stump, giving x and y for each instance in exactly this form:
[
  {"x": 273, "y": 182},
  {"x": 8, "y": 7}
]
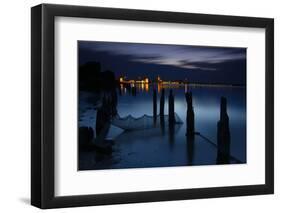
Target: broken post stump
[
  {"x": 190, "y": 128},
  {"x": 223, "y": 134}
]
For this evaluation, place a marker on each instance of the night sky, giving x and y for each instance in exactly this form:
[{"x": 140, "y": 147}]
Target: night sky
[{"x": 171, "y": 62}]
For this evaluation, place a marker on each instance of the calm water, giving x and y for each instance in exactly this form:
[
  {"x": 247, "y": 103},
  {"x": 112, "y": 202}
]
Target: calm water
[{"x": 156, "y": 148}]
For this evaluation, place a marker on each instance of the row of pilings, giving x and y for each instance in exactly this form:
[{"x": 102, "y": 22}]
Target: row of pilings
[
  {"x": 171, "y": 107},
  {"x": 223, "y": 131},
  {"x": 223, "y": 134}
]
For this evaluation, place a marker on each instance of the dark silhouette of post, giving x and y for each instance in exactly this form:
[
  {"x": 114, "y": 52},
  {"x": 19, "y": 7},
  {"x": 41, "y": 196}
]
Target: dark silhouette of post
[
  {"x": 103, "y": 115},
  {"x": 108, "y": 109},
  {"x": 129, "y": 89},
  {"x": 190, "y": 128},
  {"x": 162, "y": 102},
  {"x": 171, "y": 108},
  {"x": 223, "y": 134},
  {"x": 171, "y": 119},
  {"x": 154, "y": 106},
  {"x": 134, "y": 91}
]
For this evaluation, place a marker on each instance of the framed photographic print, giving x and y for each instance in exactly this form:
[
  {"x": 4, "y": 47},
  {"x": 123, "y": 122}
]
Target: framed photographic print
[{"x": 139, "y": 106}]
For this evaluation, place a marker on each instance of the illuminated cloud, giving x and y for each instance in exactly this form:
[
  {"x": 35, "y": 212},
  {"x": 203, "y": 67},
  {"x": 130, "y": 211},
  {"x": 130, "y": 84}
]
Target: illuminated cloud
[{"x": 187, "y": 57}]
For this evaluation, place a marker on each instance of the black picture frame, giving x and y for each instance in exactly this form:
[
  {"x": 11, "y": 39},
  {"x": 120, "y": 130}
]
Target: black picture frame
[{"x": 43, "y": 102}]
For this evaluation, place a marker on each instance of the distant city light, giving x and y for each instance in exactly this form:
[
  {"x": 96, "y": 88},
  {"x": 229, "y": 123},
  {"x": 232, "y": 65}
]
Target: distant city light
[{"x": 146, "y": 80}]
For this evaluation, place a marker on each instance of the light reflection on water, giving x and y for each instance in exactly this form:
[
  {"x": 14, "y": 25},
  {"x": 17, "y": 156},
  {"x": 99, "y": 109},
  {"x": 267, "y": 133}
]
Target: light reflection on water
[{"x": 153, "y": 148}]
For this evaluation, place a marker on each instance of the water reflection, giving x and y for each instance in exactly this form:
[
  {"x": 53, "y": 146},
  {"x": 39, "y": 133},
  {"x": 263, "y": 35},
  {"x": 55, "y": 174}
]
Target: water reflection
[
  {"x": 171, "y": 135},
  {"x": 170, "y": 145}
]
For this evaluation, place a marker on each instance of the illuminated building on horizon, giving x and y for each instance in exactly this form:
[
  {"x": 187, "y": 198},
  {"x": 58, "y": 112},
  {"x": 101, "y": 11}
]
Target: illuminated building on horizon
[
  {"x": 139, "y": 81},
  {"x": 146, "y": 80}
]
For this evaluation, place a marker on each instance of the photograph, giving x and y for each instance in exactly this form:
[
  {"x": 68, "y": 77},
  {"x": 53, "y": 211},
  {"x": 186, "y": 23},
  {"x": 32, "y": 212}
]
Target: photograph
[
  {"x": 141, "y": 105},
  {"x": 146, "y": 105}
]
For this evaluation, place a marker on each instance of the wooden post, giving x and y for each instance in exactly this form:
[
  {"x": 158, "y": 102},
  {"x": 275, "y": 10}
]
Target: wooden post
[
  {"x": 171, "y": 108},
  {"x": 162, "y": 102},
  {"x": 190, "y": 127},
  {"x": 223, "y": 134},
  {"x": 154, "y": 106}
]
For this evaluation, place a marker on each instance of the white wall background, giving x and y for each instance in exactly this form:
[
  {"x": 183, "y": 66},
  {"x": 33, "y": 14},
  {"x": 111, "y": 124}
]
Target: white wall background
[{"x": 15, "y": 105}]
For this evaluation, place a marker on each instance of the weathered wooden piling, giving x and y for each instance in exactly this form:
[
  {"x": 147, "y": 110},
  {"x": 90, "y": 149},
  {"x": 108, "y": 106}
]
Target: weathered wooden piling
[
  {"x": 134, "y": 91},
  {"x": 171, "y": 108},
  {"x": 154, "y": 106},
  {"x": 103, "y": 114},
  {"x": 162, "y": 102},
  {"x": 190, "y": 127},
  {"x": 223, "y": 134},
  {"x": 107, "y": 111}
]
